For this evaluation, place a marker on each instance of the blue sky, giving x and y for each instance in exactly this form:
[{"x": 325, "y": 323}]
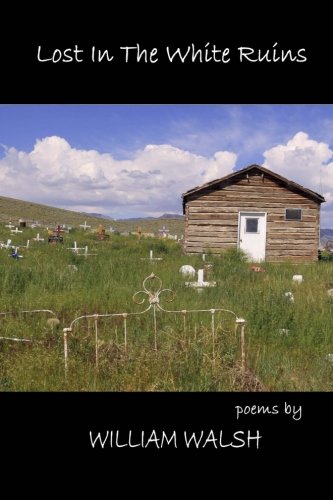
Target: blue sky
[{"x": 135, "y": 160}]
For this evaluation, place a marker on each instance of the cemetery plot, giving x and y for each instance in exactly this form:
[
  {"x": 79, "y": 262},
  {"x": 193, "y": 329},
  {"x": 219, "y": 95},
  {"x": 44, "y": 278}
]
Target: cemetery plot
[
  {"x": 205, "y": 332},
  {"x": 186, "y": 344}
]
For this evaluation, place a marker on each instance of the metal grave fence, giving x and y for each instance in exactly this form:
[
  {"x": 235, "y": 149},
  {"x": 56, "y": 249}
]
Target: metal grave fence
[
  {"x": 23, "y": 313},
  {"x": 152, "y": 298}
]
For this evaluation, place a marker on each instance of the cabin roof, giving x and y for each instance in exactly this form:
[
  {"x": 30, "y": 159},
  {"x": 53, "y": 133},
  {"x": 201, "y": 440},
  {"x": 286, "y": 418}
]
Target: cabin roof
[{"x": 235, "y": 176}]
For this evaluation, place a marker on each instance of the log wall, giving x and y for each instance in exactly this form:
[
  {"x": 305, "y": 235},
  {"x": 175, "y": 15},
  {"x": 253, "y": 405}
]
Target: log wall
[{"x": 211, "y": 218}]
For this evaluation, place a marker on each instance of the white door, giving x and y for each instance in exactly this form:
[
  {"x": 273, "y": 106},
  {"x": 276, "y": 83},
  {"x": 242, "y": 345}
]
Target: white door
[{"x": 252, "y": 234}]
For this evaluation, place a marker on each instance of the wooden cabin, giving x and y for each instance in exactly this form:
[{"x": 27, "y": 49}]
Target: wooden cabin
[{"x": 262, "y": 213}]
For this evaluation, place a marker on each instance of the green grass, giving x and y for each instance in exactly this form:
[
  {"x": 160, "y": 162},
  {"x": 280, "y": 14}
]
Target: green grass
[{"x": 184, "y": 361}]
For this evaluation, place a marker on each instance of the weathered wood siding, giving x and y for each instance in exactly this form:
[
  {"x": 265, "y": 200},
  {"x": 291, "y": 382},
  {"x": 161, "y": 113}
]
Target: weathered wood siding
[{"x": 211, "y": 218}]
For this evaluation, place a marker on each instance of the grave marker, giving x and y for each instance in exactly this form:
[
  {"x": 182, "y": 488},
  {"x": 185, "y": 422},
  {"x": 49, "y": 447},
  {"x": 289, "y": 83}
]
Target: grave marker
[
  {"x": 200, "y": 283},
  {"x": 15, "y": 231},
  {"x": 38, "y": 238},
  {"x": 56, "y": 235},
  {"x": 85, "y": 253},
  {"x": 15, "y": 254},
  {"x": 151, "y": 258},
  {"x": 163, "y": 232},
  {"x": 75, "y": 248},
  {"x": 100, "y": 234},
  {"x": 187, "y": 270},
  {"x": 6, "y": 245},
  {"x": 85, "y": 225}
]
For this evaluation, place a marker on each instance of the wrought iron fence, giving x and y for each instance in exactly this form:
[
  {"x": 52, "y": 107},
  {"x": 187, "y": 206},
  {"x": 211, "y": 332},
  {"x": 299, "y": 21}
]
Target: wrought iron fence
[
  {"x": 152, "y": 298},
  {"x": 20, "y": 313}
]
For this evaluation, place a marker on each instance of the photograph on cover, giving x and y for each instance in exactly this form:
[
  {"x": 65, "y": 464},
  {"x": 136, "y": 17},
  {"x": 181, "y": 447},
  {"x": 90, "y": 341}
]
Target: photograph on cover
[{"x": 166, "y": 247}]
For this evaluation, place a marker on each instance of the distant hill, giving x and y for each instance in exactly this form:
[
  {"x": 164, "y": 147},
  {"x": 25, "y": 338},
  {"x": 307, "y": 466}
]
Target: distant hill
[
  {"x": 325, "y": 235},
  {"x": 12, "y": 209},
  {"x": 99, "y": 216},
  {"x": 164, "y": 216},
  {"x": 326, "y": 232},
  {"x": 171, "y": 216}
]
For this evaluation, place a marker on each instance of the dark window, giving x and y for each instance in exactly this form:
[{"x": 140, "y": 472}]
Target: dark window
[
  {"x": 251, "y": 226},
  {"x": 293, "y": 214}
]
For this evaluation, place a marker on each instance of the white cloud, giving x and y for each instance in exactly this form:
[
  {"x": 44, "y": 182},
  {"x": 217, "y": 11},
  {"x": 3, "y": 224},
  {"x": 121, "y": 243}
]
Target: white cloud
[
  {"x": 151, "y": 182},
  {"x": 307, "y": 162},
  {"x": 303, "y": 160}
]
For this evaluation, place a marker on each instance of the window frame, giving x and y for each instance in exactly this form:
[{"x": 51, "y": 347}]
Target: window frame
[
  {"x": 252, "y": 232},
  {"x": 294, "y": 220}
]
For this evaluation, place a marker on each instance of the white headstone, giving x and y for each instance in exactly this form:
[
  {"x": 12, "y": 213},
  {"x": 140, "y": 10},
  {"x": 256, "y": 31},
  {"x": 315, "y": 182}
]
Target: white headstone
[
  {"x": 187, "y": 270},
  {"x": 298, "y": 278}
]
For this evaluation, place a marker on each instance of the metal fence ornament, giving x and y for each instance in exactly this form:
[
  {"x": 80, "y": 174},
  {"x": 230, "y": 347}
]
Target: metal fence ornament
[{"x": 151, "y": 295}]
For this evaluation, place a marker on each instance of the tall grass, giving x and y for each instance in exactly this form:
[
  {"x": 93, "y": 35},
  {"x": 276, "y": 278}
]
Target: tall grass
[{"x": 287, "y": 343}]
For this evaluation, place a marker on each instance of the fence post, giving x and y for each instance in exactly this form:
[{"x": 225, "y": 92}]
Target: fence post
[
  {"x": 65, "y": 331},
  {"x": 184, "y": 319},
  {"x": 213, "y": 332},
  {"x": 241, "y": 322},
  {"x": 125, "y": 331},
  {"x": 96, "y": 340},
  {"x": 155, "y": 327}
]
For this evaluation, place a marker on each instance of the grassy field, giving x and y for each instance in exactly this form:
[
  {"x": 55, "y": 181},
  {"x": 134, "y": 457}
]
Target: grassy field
[{"x": 287, "y": 342}]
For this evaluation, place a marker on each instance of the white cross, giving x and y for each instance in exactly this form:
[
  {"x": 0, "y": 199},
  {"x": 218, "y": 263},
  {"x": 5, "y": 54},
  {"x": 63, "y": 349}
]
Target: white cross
[
  {"x": 85, "y": 253},
  {"x": 6, "y": 245},
  {"x": 38, "y": 238},
  {"x": 200, "y": 283},
  {"x": 15, "y": 231},
  {"x": 84, "y": 225},
  {"x": 75, "y": 248},
  {"x": 151, "y": 258}
]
